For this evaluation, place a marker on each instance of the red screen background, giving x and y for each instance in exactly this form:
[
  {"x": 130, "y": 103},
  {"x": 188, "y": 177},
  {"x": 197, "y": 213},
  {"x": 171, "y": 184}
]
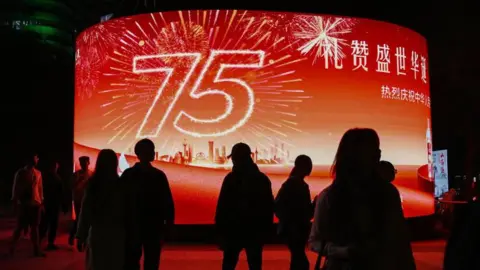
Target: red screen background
[{"x": 301, "y": 104}]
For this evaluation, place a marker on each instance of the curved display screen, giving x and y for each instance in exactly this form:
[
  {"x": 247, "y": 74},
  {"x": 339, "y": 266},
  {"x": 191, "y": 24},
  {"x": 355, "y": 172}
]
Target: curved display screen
[{"x": 197, "y": 82}]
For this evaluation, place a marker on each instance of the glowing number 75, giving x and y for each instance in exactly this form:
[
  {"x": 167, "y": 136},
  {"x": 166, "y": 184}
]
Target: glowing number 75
[{"x": 195, "y": 93}]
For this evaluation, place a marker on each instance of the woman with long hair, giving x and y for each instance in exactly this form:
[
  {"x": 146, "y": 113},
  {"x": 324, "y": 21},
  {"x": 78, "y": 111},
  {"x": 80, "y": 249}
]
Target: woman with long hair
[
  {"x": 358, "y": 222},
  {"x": 101, "y": 227},
  {"x": 294, "y": 209}
]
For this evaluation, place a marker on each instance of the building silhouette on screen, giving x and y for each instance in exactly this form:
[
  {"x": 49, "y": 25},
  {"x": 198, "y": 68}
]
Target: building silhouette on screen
[{"x": 217, "y": 155}]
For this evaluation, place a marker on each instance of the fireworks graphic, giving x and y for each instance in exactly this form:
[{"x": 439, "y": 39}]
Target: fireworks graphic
[
  {"x": 92, "y": 53},
  {"x": 276, "y": 85},
  {"x": 272, "y": 28},
  {"x": 322, "y": 36},
  {"x": 87, "y": 74},
  {"x": 176, "y": 37},
  {"x": 100, "y": 37}
]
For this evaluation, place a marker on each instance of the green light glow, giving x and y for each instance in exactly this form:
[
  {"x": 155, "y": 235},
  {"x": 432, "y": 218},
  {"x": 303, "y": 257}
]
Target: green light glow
[{"x": 50, "y": 21}]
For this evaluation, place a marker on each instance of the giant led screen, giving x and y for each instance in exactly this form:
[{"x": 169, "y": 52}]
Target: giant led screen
[{"x": 196, "y": 82}]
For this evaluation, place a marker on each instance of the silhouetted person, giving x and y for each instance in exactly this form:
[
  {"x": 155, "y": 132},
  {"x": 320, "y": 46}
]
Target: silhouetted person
[
  {"x": 102, "y": 220},
  {"x": 27, "y": 196},
  {"x": 359, "y": 222},
  {"x": 294, "y": 209},
  {"x": 151, "y": 209},
  {"x": 386, "y": 171},
  {"x": 244, "y": 215},
  {"x": 79, "y": 184},
  {"x": 53, "y": 192},
  {"x": 463, "y": 246}
]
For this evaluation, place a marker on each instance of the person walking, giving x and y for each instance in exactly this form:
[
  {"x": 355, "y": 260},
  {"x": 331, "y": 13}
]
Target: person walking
[
  {"x": 27, "y": 197},
  {"x": 359, "y": 221},
  {"x": 151, "y": 210},
  {"x": 244, "y": 214},
  {"x": 102, "y": 220},
  {"x": 54, "y": 198},
  {"x": 79, "y": 184},
  {"x": 294, "y": 210}
]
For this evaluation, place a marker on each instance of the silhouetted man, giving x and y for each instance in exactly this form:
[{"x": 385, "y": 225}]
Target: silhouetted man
[
  {"x": 244, "y": 216},
  {"x": 53, "y": 189},
  {"x": 294, "y": 209},
  {"x": 150, "y": 209},
  {"x": 27, "y": 196},
  {"x": 79, "y": 184}
]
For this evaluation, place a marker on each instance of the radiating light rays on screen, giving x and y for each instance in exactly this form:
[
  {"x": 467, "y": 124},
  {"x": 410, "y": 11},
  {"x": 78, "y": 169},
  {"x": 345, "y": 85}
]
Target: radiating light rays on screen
[
  {"x": 277, "y": 86},
  {"x": 274, "y": 29},
  {"x": 322, "y": 36}
]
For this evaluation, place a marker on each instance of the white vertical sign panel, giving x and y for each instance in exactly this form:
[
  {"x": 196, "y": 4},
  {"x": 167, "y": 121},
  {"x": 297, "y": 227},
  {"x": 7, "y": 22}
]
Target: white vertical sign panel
[{"x": 440, "y": 168}]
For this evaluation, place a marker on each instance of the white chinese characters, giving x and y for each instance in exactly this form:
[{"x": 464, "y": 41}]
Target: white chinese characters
[
  {"x": 332, "y": 56},
  {"x": 415, "y": 64},
  {"x": 400, "y": 54},
  {"x": 424, "y": 69},
  {"x": 360, "y": 53},
  {"x": 383, "y": 58},
  {"x": 396, "y": 93},
  {"x": 406, "y": 62}
]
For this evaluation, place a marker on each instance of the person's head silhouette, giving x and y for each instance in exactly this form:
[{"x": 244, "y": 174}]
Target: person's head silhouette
[
  {"x": 53, "y": 166},
  {"x": 32, "y": 160},
  {"x": 386, "y": 171},
  {"x": 145, "y": 150},
  {"x": 107, "y": 163},
  {"x": 303, "y": 166},
  {"x": 84, "y": 162},
  {"x": 358, "y": 154},
  {"x": 241, "y": 154}
]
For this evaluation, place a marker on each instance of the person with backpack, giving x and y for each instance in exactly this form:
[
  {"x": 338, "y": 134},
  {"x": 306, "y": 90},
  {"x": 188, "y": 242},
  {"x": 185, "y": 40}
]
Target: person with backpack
[
  {"x": 245, "y": 210},
  {"x": 27, "y": 197},
  {"x": 358, "y": 220},
  {"x": 294, "y": 210}
]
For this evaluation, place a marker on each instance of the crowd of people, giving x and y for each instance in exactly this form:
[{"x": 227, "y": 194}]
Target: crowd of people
[{"x": 358, "y": 221}]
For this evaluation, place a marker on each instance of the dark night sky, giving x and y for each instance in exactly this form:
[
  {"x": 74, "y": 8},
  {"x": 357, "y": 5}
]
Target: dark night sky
[{"x": 38, "y": 88}]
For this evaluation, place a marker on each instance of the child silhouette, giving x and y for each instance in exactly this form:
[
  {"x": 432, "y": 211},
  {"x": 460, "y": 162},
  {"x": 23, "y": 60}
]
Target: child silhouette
[{"x": 387, "y": 171}]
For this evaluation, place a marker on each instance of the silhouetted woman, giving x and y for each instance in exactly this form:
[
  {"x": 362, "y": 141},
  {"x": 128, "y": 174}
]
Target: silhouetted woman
[
  {"x": 358, "y": 221},
  {"x": 101, "y": 228},
  {"x": 294, "y": 209}
]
